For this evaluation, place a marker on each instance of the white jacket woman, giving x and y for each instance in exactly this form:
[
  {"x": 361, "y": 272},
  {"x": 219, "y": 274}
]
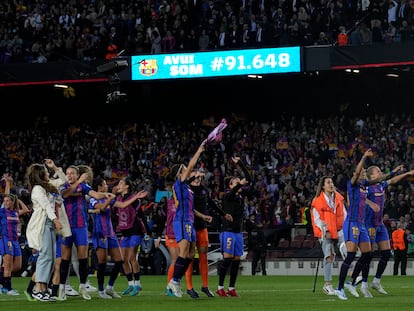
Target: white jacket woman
[{"x": 48, "y": 219}]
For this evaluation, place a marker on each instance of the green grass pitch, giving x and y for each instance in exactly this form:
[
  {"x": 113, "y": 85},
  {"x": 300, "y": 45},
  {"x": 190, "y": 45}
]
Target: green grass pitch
[{"x": 257, "y": 293}]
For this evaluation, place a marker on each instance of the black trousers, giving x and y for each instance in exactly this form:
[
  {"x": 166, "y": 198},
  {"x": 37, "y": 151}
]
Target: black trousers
[
  {"x": 400, "y": 258},
  {"x": 259, "y": 256}
]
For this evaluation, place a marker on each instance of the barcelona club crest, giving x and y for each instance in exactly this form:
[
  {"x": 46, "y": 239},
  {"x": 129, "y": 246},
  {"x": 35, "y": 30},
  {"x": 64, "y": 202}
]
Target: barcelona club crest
[{"x": 148, "y": 67}]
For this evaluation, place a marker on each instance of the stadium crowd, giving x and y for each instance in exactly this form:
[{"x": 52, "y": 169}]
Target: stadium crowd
[
  {"x": 44, "y": 31},
  {"x": 286, "y": 157}
]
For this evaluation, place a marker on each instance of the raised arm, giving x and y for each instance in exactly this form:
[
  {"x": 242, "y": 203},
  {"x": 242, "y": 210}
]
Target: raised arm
[
  {"x": 69, "y": 191},
  {"x": 139, "y": 195},
  {"x": 400, "y": 177},
  {"x": 23, "y": 209},
  {"x": 106, "y": 204},
  {"x": 360, "y": 165},
  {"x": 192, "y": 163},
  {"x": 9, "y": 181}
]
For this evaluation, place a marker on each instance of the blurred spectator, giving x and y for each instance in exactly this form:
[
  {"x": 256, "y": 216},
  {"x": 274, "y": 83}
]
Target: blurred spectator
[
  {"x": 355, "y": 36},
  {"x": 111, "y": 51},
  {"x": 323, "y": 39},
  {"x": 406, "y": 32},
  {"x": 366, "y": 34},
  {"x": 390, "y": 35},
  {"x": 203, "y": 41},
  {"x": 156, "y": 41},
  {"x": 410, "y": 240},
  {"x": 342, "y": 38},
  {"x": 168, "y": 43}
]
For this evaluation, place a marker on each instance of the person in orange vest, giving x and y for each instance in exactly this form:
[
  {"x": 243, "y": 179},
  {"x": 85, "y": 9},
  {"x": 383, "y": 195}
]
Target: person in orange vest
[
  {"x": 111, "y": 51},
  {"x": 399, "y": 244},
  {"x": 328, "y": 215},
  {"x": 343, "y": 37}
]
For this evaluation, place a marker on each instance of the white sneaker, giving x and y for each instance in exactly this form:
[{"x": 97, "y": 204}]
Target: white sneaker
[
  {"x": 103, "y": 295},
  {"x": 69, "y": 291},
  {"x": 55, "y": 298},
  {"x": 340, "y": 293},
  {"x": 112, "y": 293},
  {"x": 13, "y": 292},
  {"x": 328, "y": 289},
  {"x": 358, "y": 280},
  {"x": 175, "y": 288},
  {"x": 90, "y": 288},
  {"x": 61, "y": 294},
  {"x": 352, "y": 289},
  {"x": 378, "y": 288},
  {"x": 366, "y": 293},
  {"x": 84, "y": 293}
]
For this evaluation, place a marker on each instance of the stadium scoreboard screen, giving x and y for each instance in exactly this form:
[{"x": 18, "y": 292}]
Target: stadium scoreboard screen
[{"x": 215, "y": 64}]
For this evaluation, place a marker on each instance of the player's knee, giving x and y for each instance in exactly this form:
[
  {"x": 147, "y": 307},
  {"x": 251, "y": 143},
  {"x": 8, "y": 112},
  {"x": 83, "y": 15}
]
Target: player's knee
[
  {"x": 350, "y": 256},
  {"x": 366, "y": 257},
  {"x": 385, "y": 255}
]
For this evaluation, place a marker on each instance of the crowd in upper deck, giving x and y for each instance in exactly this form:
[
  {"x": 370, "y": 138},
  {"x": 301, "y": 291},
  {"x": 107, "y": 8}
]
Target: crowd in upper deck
[{"x": 84, "y": 30}]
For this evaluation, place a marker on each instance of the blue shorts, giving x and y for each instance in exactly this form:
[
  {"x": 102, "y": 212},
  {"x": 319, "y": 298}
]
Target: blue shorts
[
  {"x": 105, "y": 243},
  {"x": 130, "y": 241},
  {"x": 184, "y": 231},
  {"x": 378, "y": 234},
  {"x": 11, "y": 248},
  {"x": 79, "y": 237},
  {"x": 355, "y": 232},
  {"x": 231, "y": 243}
]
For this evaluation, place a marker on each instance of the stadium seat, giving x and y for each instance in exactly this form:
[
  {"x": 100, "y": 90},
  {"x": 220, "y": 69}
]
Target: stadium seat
[
  {"x": 296, "y": 244},
  {"x": 309, "y": 244},
  {"x": 299, "y": 237},
  {"x": 283, "y": 244},
  {"x": 310, "y": 237}
]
